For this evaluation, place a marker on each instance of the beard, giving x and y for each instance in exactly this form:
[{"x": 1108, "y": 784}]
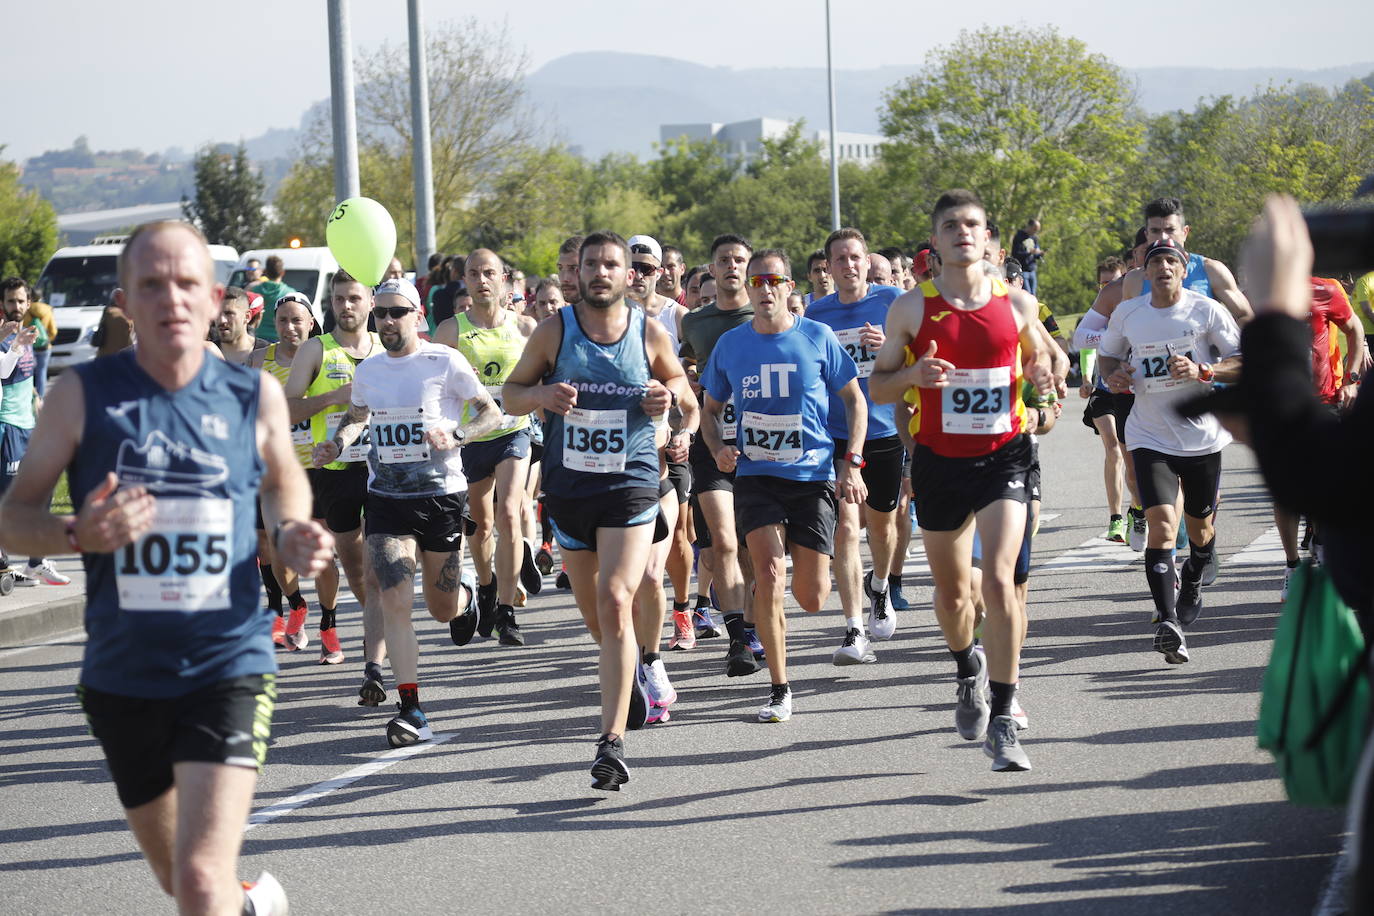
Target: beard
[
  {"x": 392, "y": 340},
  {"x": 603, "y": 299},
  {"x": 348, "y": 321}
]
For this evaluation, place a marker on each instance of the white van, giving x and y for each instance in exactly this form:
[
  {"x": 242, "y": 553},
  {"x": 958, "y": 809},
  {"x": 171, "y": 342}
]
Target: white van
[
  {"x": 308, "y": 271},
  {"x": 78, "y": 283}
]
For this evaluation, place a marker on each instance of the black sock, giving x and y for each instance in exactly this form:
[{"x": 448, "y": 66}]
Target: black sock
[
  {"x": 1292, "y": 564},
  {"x": 703, "y": 601},
  {"x": 373, "y": 671},
  {"x": 327, "y": 618},
  {"x": 1159, "y": 573},
  {"x": 295, "y": 600},
  {"x": 964, "y": 659},
  {"x": 781, "y": 689},
  {"x": 1116, "y": 517},
  {"x": 1200, "y": 556},
  {"x": 545, "y": 524},
  {"x": 734, "y": 624},
  {"x": 1002, "y": 695},
  {"x": 648, "y": 658},
  {"x": 680, "y": 606},
  {"x": 894, "y": 582},
  {"x": 269, "y": 582}
]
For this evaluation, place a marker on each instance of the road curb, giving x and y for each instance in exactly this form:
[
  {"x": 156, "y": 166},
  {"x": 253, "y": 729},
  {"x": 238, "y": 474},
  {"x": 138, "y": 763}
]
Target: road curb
[{"x": 34, "y": 624}]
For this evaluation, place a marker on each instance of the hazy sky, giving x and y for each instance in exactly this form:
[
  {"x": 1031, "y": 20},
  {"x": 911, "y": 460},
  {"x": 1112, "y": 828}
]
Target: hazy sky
[{"x": 157, "y": 73}]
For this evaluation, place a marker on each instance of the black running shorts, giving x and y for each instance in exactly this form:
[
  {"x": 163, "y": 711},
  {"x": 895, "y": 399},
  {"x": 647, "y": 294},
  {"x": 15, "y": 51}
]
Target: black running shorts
[
  {"x": 436, "y": 522},
  {"x": 705, "y": 475},
  {"x": 481, "y": 458},
  {"x": 805, "y": 508},
  {"x": 339, "y": 496},
  {"x": 228, "y": 722},
  {"x": 1158, "y": 476},
  {"x": 576, "y": 520},
  {"x": 946, "y": 491},
  {"x": 1107, "y": 403},
  {"x": 680, "y": 475},
  {"x": 882, "y": 471}
]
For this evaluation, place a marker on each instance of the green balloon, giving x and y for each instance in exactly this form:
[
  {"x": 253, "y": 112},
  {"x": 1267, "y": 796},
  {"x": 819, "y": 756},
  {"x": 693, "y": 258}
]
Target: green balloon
[{"x": 362, "y": 237}]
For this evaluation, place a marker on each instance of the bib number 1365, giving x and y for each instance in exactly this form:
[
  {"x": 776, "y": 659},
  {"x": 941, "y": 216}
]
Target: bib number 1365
[{"x": 594, "y": 440}]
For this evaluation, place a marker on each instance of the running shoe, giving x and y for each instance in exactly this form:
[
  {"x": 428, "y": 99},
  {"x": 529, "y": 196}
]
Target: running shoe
[
  {"x": 507, "y": 629},
  {"x": 855, "y": 650},
  {"x": 23, "y": 581},
  {"x": 740, "y": 660},
  {"x": 779, "y": 705},
  {"x": 1137, "y": 533},
  {"x": 1116, "y": 531},
  {"x": 1209, "y": 572},
  {"x": 657, "y": 715},
  {"x": 562, "y": 581},
  {"x": 1004, "y": 748},
  {"x": 660, "y": 689},
  {"x": 609, "y": 771},
  {"x": 296, "y": 638},
  {"x": 530, "y": 577},
  {"x": 894, "y": 591},
  {"x": 751, "y": 636},
  {"x": 331, "y": 653},
  {"x": 1169, "y": 642},
  {"x": 522, "y": 597},
  {"x": 279, "y": 630},
  {"x": 1287, "y": 577},
  {"x": 882, "y": 623},
  {"x": 373, "y": 691},
  {"x": 1018, "y": 715},
  {"x": 639, "y": 701},
  {"x": 408, "y": 727},
  {"x": 461, "y": 628},
  {"x": 543, "y": 560},
  {"x": 266, "y": 895},
  {"x": 45, "y": 573},
  {"x": 684, "y": 635},
  {"x": 971, "y": 706},
  {"x": 706, "y": 625},
  {"x": 1188, "y": 604},
  {"x": 486, "y": 608}
]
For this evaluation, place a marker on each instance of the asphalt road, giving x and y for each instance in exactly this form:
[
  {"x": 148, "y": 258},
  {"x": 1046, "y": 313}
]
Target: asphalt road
[{"x": 1147, "y": 791}]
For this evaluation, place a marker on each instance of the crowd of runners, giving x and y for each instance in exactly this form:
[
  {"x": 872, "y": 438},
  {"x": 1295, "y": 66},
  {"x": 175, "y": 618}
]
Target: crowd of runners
[{"x": 627, "y": 420}]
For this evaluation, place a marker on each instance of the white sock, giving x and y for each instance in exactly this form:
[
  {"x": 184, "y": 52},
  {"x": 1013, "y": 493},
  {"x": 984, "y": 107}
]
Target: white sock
[
  {"x": 854, "y": 623},
  {"x": 878, "y": 585}
]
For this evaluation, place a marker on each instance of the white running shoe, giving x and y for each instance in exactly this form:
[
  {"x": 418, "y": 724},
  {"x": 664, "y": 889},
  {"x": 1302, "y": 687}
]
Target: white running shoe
[
  {"x": 1018, "y": 715},
  {"x": 45, "y": 573},
  {"x": 855, "y": 650},
  {"x": 882, "y": 621},
  {"x": 660, "y": 689},
  {"x": 267, "y": 896},
  {"x": 779, "y": 705}
]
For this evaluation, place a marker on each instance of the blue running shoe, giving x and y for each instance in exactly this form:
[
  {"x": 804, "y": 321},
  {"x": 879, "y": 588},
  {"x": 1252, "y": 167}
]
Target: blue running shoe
[
  {"x": 894, "y": 591},
  {"x": 705, "y": 624},
  {"x": 754, "y": 645},
  {"x": 410, "y": 726}
]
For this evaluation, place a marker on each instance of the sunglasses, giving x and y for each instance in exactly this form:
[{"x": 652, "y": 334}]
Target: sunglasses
[
  {"x": 760, "y": 280},
  {"x": 644, "y": 269},
  {"x": 394, "y": 312}
]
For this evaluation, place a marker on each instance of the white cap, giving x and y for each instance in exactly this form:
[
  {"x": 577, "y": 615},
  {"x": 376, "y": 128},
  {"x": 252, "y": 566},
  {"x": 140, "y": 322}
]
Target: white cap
[
  {"x": 643, "y": 244},
  {"x": 399, "y": 286}
]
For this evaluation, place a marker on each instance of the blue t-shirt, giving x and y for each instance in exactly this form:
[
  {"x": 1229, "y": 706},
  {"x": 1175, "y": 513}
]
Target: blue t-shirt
[
  {"x": 177, "y": 609},
  {"x": 847, "y": 319},
  {"x": 784, "y": 386},
  {"x": 1195, "y": 279}
]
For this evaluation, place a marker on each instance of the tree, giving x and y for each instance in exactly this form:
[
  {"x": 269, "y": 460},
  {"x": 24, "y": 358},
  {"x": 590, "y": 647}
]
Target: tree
[
  {"x": 1035, "y": 124},
  {"x": 228, "y": 206},
  {"x": 28, "y": 227}
]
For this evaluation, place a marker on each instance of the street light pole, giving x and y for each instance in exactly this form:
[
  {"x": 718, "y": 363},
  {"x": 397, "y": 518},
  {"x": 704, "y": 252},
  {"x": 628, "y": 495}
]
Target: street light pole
[
  {"x": 419, "y": 141},
  {"x": 834, "y": 159},
  {"x": 345, "y": 120}
]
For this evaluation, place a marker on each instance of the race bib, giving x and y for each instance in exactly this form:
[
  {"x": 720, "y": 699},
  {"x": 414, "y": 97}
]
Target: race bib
[
  {"x": 507, "y": 421},
  {"x": 977, "y": 402},
  {"x": 300, "y": 436},
  {"x": 863, "y": 357},
  {"x": 182, "y": 563},
  {"x": 594, "y": 441},
  {"x": 398, "y": 434},
  {"x": 729, "y": 421},
  {"x": 772, "y": 438},
  {"x": 360, "y": 447},
  {"x": 1152, "y": 364}
]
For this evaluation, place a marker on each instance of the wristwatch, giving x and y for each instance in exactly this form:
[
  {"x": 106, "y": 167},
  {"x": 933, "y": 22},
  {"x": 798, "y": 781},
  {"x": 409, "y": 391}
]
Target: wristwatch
[
  {"x": 856, "y": 459},
  {"x": 1353, "y": 377},
  {"x": 1204, "y": 372}
]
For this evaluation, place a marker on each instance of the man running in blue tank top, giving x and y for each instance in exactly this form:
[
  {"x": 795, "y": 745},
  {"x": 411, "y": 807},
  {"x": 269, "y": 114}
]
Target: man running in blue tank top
[
  {"x": 1205, "y": 276},
  {"x": 785, "y": 373},
  {"x": 164, "y": 449},
  {"x": 604, "y": 376}
]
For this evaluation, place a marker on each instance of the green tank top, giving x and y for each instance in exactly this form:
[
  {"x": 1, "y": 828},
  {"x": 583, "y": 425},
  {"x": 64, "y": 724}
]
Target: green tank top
[
  {"x": 300, "y": 432},
  {"x": 336, "y": 370},
  {"x": 493, "y": 353}
]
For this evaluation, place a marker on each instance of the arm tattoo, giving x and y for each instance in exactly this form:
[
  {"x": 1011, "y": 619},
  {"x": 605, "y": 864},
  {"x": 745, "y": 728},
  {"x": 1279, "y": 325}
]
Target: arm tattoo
[
  {"x": 392, "y": 561},
  {"x": 448, "y": 573},
  {"x": 351, "y": 425},
  {"x": 486, "y": 416}
]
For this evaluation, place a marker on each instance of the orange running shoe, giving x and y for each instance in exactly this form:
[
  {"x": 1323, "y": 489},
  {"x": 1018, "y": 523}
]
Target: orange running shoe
[
  {"x": 279, "y": 630},
  {"x": 330, "y": 651},
  {"x": 296, "y": 638}
]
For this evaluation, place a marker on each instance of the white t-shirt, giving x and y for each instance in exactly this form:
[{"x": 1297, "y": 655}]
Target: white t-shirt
[
  {"x": 668, "y": 317},
  {"x": 407, "y": 396},
  {"x": 1145, "y": 336}
]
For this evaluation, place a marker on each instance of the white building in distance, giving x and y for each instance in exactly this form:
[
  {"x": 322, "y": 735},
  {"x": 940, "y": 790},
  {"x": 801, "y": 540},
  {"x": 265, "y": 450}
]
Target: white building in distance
[{"x": 743, "y": 140}]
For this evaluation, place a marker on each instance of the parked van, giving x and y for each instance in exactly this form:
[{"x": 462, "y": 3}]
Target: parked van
[
  {"x": 308, "y": 271},
  {"x": 78, "y": 282}
]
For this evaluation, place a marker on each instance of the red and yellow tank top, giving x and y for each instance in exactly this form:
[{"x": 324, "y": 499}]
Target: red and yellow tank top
[{"x": 981, "y": 410}]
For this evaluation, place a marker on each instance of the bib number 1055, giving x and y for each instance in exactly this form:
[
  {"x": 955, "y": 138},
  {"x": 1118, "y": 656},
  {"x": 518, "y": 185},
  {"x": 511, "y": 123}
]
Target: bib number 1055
[{"x": 182, "y": 563}]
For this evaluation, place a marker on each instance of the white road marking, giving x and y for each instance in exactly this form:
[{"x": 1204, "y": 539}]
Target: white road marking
[
  {"x": 321, "y": 789},
  {"x": 1096, "y": 553},
  {"x": 69, "y": 638},
  {"x": 1265, "y": 550}
]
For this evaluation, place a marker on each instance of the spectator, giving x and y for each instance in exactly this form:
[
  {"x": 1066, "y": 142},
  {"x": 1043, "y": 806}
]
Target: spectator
[
  {"x": 271, "y": 288},
  {"x": 1025, "y": 247}
]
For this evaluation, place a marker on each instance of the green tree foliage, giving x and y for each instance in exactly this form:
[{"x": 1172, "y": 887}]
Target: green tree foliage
[
  {"x": 228, "y": 206},
  {"x": 1223, "y": 157},
  {"x": 28, "y": 226},
  {"x": 1031, "y": 121}
]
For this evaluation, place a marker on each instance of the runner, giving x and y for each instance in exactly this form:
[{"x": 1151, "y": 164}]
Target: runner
[
  {"x": 239, "y": 316},
  {"x": 412, "y": 398},
  {"x": 602, "y": 372},
  {"x": 712, "y": 488},
  {"x": 1210, "y": 278},
  {"x": 491, "y": 338},
  {"x": 856, "y": 312},
  {"x": 786, "y": 374},
  {"x": 955, "y": 341},
  {"x": 163, "y": 448},
  {"x": 1167, "y": 334},
  {"x": 317, "y": 394}
]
